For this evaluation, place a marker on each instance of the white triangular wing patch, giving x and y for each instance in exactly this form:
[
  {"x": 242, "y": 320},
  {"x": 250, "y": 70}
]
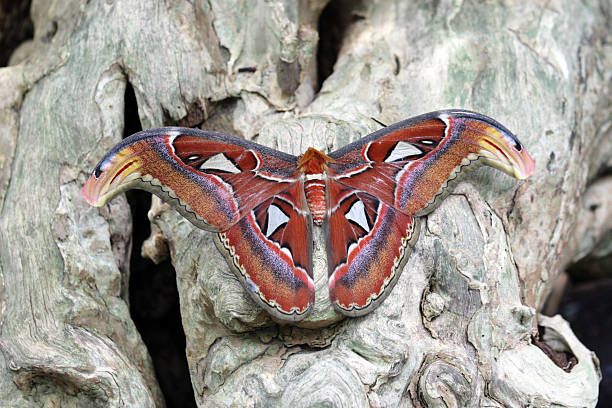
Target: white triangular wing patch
[
  {"x": 403, "y": 150},
  {"x": 357, "y": 214},
  {"x": 219, "y": 162},
  {"x": 276, "y": 219}
]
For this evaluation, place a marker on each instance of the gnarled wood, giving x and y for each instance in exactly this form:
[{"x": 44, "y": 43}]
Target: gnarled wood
[{"x": 456, "y": 329}]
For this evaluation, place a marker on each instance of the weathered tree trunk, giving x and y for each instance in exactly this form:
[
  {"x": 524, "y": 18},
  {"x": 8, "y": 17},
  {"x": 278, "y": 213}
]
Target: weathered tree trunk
[{"x": 457, "y": 329}]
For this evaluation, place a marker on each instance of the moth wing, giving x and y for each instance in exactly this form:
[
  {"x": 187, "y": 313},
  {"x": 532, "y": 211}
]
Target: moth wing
[
  {"x": 379, "y": 184},
  {"x": 368, "y": 245},
  {"x": 411, "y": 164},
  {"x": 213, "y": 180},
  {"x": 270, "y": 251}
]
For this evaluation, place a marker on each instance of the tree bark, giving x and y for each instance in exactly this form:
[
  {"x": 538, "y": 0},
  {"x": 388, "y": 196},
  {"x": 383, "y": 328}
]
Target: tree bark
[{"x": 459, "y": 327}]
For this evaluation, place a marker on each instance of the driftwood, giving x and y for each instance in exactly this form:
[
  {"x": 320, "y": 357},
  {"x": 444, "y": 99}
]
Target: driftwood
[{"x": 461, "y": 327}]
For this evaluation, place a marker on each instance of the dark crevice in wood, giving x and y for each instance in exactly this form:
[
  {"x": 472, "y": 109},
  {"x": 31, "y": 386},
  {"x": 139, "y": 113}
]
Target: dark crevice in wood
[
  {"x": 587, "y": 306},
  {"x": 131, "y": 123},
  {"x": 592, "y": 268},
  {"x": 334, "y": 20},
  {"x": 604, "y": 170},
  {"x": 15, "y": 27},
  {"x": 153, "y": 294},
  {"x": 214, "y": 116},
  {"x": 196, "y": 115},
  {"x": 220, "y": 116}
]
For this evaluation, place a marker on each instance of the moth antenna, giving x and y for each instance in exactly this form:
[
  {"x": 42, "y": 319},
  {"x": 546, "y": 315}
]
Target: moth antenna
[{"x": 378, "y": 121}]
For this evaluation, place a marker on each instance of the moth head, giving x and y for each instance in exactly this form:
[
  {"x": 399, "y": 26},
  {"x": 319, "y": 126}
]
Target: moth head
[
  {"x": 502, "y": 150},
  {"x": 117, "y": 171},
  {"x": 313, "y": 161}
]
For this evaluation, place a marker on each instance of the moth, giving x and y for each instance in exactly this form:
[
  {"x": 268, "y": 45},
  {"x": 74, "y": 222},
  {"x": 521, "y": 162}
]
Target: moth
[{"x": 262, "y": 203}]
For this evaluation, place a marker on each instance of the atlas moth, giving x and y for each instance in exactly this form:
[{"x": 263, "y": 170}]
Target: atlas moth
[{"x": 262, "y": 203}]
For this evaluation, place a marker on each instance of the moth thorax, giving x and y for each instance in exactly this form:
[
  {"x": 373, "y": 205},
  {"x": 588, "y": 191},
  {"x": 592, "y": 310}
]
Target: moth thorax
[
  {"x": 315, "y": 195},
  {"x": 313, "y": 164}
]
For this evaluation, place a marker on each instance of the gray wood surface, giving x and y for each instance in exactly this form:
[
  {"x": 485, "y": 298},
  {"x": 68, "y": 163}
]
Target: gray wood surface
[{"x": 457, "y": 328}]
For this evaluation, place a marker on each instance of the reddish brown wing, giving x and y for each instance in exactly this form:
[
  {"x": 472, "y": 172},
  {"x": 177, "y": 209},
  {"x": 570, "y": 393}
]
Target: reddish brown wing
[
  {"x": 252, "y": 195},
  {"x": 379, "y": 184},
  {"x": 211, "y": 179},
  {"x": 368, "y": 245},
  {"x": 270, "y": 250},
  {"x": 410, "y": 164}
]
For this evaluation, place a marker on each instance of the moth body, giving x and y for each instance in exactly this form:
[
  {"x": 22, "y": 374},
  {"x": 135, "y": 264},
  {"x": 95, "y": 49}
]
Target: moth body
[{"x": 313, "y": 164}]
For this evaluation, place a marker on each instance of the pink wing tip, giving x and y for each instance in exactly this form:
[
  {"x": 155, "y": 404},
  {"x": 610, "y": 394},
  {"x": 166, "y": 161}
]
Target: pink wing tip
[
  {"x": 528, "y": 165},
  {"x": 88, "y": 193}
]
